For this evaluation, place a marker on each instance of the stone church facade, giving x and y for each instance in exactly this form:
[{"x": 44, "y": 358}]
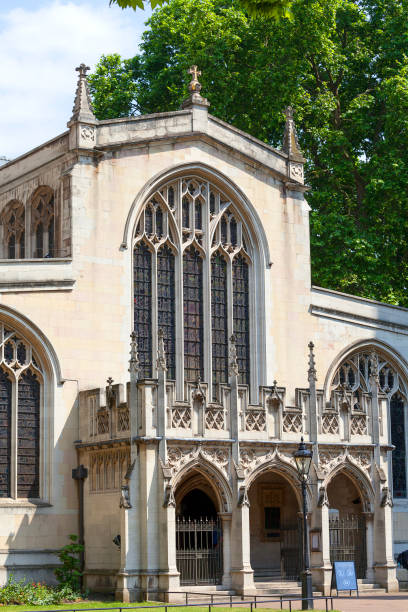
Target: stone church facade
[{"x": 185, "y": 241}]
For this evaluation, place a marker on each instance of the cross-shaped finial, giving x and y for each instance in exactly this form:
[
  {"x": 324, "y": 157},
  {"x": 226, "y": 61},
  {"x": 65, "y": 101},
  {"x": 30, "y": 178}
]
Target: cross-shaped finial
[
  {"x": 194, "y": 86},
  {"x": 193, "y": 70},
  {"x": 82, "y": 69}
]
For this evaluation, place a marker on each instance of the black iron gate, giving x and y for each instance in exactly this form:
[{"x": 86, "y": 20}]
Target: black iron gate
[
  {"x": 291, "y": 550},
  {"x": 199, "y": 551},
  {"x": 348, "y": 541}
]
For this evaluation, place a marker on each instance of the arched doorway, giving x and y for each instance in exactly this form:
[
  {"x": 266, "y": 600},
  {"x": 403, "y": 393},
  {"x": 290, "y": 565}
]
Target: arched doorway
[
  {"x": 347, "y": 526},
  {"x": 275, "y": 528},
  {"x": 198, "y": 532}
]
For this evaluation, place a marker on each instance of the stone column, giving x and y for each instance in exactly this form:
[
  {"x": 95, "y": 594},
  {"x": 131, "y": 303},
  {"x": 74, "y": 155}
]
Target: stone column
[
  {"x": 369, "y": 520},
  {"x": 226, "y": 547},
  {"x": 242, "y": 575},
  {"x": 127, "y": 579},
  {"x": 385, "y": 567},
  {"x": 322, "y": 574}
]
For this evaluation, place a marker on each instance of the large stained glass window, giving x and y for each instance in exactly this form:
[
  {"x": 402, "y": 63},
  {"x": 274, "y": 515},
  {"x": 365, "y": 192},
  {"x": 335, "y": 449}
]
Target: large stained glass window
[
  {"x": 193, "y": 258},
  {"x": 5, "y": 433},
  {"x": 166, "y": 305},
  {"x": 219, "y": 320},
  {"x": 241, "y": 315},
  {"x": 142, "y": 271},
  {"x": 20, "y": 402},
  {"x": 399, "y": 471},
  {"x": 193, "y": 314},
  {"x": 28, "y": 437}
]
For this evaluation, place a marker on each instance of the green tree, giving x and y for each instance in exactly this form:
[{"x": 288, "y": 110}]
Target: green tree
[
  {"x": 256, "y": 8},
  {"x": 113, "y": 87},
  {"x": 342, "y": 64}
]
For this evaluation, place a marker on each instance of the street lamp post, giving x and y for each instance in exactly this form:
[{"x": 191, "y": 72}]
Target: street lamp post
[{"x": 303, "y": 459}]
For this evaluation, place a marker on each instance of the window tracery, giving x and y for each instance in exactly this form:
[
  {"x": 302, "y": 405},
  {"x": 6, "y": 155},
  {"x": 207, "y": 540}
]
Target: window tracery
[
  {"x": 13, "y": 220},
  {"x": 21, "y": 382},
  {"x": 351, "y": 388},
  {"x": 197, "y": 263},
  {"x": 43, "y": 223}
]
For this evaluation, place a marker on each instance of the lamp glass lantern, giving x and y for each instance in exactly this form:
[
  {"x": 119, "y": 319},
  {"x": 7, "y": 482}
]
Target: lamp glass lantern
[{"x": 303, "y": 458}]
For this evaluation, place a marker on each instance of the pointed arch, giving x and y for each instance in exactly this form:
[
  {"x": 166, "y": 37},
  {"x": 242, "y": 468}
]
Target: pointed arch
[
  {"x": 214, "y": 476},
  {"x": 221, "y": 181},
  {"x": 359, "y": 479},
  {"x": 365, "y": 345}
]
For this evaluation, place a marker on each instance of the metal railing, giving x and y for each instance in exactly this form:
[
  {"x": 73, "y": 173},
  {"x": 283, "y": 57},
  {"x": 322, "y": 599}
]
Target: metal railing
[{"x": 249, "y": 604}]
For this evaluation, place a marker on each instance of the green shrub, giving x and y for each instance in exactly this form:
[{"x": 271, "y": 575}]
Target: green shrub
[
  {"x": 69, "y": 573},
  {"x": 34, "y": 593}
]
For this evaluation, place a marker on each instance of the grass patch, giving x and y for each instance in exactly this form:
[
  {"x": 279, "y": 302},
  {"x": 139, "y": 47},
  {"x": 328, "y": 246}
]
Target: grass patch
[{"x": 83, "y": 605}]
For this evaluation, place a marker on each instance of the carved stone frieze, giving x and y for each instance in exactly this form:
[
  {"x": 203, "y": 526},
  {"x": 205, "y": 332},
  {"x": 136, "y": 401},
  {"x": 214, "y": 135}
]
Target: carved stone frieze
[
  {"x": 179, "y": 456},
  {"x": 252, "y": 458},
  {"x": 329, "y": 459}
]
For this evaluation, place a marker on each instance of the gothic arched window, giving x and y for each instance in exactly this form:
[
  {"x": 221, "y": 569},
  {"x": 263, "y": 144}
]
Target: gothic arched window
[
  {"x": 13, "y": 221},
  {"x": 20, "y": 407},
  {"x": 192, "y": 279},
  {"x": 351, "y": 389},
  {"x": 43, "y": 223}
]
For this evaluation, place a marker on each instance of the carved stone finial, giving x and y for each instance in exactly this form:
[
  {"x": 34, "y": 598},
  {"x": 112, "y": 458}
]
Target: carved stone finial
[
  {"x": 161, "y": 352},
  {"x": 82, "y": 110},
  {"x": 311, "y": 373},
  {"x": 109, "y": 392},
  {"x": 233, "y": 362},
  {"x": 374, "y": 368},
  {"x": 134, "y": 357},
  {"x": 323, "y": 500},
  {"x": 290, "y": 143},
  {"x": 194, "y": 87}
]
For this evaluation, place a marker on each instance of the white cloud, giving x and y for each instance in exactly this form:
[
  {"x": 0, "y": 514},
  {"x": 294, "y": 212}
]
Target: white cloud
[{"x": 39, "y": 50}]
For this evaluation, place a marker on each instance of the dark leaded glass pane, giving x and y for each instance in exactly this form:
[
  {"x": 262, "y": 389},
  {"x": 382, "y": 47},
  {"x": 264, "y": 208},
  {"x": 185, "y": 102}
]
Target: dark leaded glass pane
[
  {"x": 219, "y": 320},
  {"x": 21, "y": 353},
  {"x": 148, "y": 220},
  {"x": 193, "y": 314},
  {"x": 198, "y": 219},
  {"x": 186, "y": 213},
  {"x": 399, "y": 475},
  {"x": 51, "y": 238},
  {"x": 39, "y": 247},
  {"x": 224, "y": 237},
  {"x": 22, "y": 245},
  {"x": 142, "y": 275},
  {"x": 28, "y": 436},
  {"x": 159, "y": 222},
  {"x": 233, "y": 231},
  {"x": 166, "y": 306},
  {"x": 241, "y": 315},
  {"x": 5, "y": 434},
  {"x": 12, "y": 247},
  {"x": 212, "y": 203},
  {"x": 9, "y": 352},
  {"x": 171, "y": 197}
]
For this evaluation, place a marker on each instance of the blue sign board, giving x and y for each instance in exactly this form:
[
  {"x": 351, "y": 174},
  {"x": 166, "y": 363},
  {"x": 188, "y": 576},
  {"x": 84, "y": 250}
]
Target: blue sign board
[{"x": 344, "y": 576}]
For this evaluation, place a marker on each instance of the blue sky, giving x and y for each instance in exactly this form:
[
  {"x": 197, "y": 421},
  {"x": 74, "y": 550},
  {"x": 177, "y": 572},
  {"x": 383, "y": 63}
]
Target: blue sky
[{"x": 41, "y": 43}]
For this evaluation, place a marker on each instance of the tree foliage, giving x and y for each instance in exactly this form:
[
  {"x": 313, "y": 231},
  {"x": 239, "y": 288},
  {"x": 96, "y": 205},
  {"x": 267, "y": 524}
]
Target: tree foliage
[
  {"x": 342, "y": 64},
  {"x": 255, "y": 8}
]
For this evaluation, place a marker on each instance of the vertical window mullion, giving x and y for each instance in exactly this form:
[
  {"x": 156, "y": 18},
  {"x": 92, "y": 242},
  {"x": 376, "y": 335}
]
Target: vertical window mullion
[
  {"x": 193, "y": 314},
  {"x": 14, "y": 442},
  {"x": 240, "y": 280},
  {"x": 142, "y": 296},
  {"x": 166, "y": 305},
  {"x": 154, "y": 313},
  {"x": 6, "y": 397},
  {"x": 219, "y": 321}
]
